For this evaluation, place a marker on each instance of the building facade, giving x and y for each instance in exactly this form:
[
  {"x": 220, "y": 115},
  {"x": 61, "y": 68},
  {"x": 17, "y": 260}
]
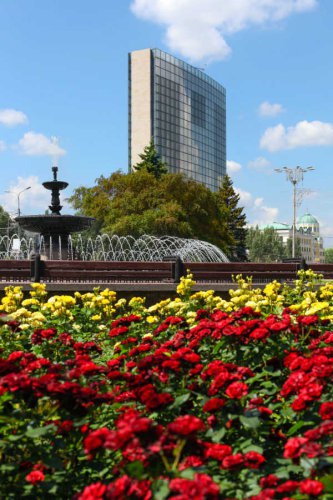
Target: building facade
[
  {"x": 308, "y": 234},
  {"x": 183, "y": 110}
]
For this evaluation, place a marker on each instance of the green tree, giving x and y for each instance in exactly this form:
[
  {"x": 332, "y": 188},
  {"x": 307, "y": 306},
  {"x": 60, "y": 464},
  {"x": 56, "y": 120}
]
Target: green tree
[
  {"x": 328, "y": 252},
  {"x": 228, "y": 202},
  {"x": 139, "y": 203},
  {"x": 289, "y": 248},
  {"x": 7, "y": 224},
  {"x": 264, "y": 245},
  {"x": 151, "y": 161}
]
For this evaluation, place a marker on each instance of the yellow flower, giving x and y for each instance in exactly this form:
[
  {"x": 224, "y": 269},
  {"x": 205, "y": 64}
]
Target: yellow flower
[
  {"x": 30, "y": 302},
  {"x": 186, "y": 284},
  {"x": 151, "y": 319},
  {"x": 96, "y": 317}
]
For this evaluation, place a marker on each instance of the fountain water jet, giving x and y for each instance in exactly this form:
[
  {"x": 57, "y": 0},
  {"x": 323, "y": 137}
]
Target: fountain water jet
[{"x": 120, "y": 248}]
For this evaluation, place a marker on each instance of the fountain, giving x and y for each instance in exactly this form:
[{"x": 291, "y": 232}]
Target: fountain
[
  {"x": 118, "y": 248},
  {"x": 55, "y": 228},
  {"x": 56, "y": 241}
]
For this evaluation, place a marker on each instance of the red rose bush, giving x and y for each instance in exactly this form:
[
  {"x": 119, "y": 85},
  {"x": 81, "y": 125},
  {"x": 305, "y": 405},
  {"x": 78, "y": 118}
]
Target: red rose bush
[{"x": 190, "y": 399}]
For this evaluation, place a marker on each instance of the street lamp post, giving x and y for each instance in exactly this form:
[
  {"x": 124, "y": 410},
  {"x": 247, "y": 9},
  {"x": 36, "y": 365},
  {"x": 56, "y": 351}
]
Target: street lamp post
[
  {"x": 294, "y": 175},
  {"x": 18, "y": 198}
]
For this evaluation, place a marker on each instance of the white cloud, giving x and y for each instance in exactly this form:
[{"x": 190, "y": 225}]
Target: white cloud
[
  {"x": 233, "y": 166},
  {"x": 268, "y": 109},
  {"x": 33, "y": 144},
  {"x": 262, "y": 213},
  {"x": 304, "y": 133},
  {"x": 34, "y": 200},
  {"x": 2, "y": 146},
  {"x": 197, "y": 29},
  {"x": 256, "y": 211},
  {"x": 245, "y": 198},
  {"x": 12, "y": 117},
  {"x": 260, "y": 163}
]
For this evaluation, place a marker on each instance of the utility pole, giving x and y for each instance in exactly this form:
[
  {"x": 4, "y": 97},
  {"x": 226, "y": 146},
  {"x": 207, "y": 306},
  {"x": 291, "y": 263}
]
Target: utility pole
[{"x": 294, "y": 175}]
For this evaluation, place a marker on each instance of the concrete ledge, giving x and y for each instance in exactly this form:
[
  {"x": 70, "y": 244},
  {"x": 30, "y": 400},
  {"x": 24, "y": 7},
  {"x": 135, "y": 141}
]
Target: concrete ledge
[{"x": 65, "y": 287}]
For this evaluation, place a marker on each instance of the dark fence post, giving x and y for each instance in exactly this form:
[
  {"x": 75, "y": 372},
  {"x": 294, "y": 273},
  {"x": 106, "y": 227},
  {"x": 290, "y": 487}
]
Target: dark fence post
[
  {"x": 303, "y": 264},
  {"x": 36, "y": 268},
  {"x": 178, "y": 269}
]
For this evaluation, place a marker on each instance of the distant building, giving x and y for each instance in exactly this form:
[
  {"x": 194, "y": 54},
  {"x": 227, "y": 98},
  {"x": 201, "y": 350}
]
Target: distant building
[
  {"x": 308, "y": 233},
  {"x": 183, "y": 110}
]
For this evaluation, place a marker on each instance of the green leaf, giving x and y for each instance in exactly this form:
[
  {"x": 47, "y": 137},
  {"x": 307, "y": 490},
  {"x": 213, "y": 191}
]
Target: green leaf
[
  {"x": 180, "y": 400},
  {"x": 161, "y": 490},
  {"x": 7, "y": 468},
  {"x": 253, "y": 447},
  {"x": 327, "y": 482},
  {"x": 218, "y": 435},
  {"x": 187, "y": 473},
  {"x": 136, "y": 469},
  {"x": 250, "y": 422},
  {"x": 38, "y": 431},
  {"x": 308, "y": 464},
  {"x": 298, "y": 426}
]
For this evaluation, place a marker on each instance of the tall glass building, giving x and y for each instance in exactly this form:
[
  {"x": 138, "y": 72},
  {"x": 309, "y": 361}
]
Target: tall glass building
[{"x": 183, "y": 110}]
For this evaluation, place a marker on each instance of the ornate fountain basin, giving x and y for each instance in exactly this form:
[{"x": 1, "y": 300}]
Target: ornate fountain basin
[{"x": 54, "y": 225}]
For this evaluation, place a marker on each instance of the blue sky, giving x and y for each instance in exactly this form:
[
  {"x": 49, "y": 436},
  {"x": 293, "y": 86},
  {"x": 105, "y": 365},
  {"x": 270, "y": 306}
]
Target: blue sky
[{"x": 64, "y": 75}]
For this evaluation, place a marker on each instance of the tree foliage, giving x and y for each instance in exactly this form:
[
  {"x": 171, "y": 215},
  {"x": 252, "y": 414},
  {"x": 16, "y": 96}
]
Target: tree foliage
[
  {"x": 7, "y": 225},
  {"x": 151, "y": 161},
  {"x": 264, "y": 245},
  {"x": 140, "y": 203},
  {"x": 233, "y": 213},
  {"x": 289, "y": 248},
  {"x": 328, "y": 252}
]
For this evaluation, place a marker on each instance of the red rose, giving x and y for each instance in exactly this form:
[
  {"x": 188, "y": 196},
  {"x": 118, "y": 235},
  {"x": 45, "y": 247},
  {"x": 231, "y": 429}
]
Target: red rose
[
  {"x": 35, "y": 477},
  {"x": 202, "y": 486},
  {"x": 311, "y": 487},
  {"x": 186, "y": 425},
  {"x": 96, "y": 439},
  {"x": 218, "y": 451},
  {"x": 287, "y": 487},
  {"x": 253, "y": 459},
  {"x": 326, "y": 411},
  {"x": 49, "y": 333},
  {"x": 93, "y": 492},
  {"x": 307, "y": 320},
  {"x": 115, "y": 332},
  {"x": 233, "y": 461},
  {"x": 267, "y": 481},
  {"x": 191, "y": 462},
  {"x": 213, "y": 404},
  {"x": 237, "y": 390},
  {"x": 293, "y": 447}
]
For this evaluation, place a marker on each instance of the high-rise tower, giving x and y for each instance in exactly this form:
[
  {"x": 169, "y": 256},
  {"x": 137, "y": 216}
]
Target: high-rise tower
[{"x": 183, "y": 110}]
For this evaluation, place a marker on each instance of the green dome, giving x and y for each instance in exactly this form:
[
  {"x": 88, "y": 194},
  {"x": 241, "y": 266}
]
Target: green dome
[{"x": 307, "y": 219}]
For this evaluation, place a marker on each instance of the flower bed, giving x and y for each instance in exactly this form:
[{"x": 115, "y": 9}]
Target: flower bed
[{"x": 192, "y": 398}]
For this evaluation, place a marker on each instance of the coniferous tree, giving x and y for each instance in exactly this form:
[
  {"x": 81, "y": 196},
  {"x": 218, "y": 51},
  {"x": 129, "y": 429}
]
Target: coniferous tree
[
  {"x": 233, "y": 214},
  {"x": 151, "y": 161}
]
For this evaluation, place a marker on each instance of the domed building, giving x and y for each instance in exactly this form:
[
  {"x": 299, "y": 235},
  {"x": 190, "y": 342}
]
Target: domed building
[{"x": 308, "y": 231}]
